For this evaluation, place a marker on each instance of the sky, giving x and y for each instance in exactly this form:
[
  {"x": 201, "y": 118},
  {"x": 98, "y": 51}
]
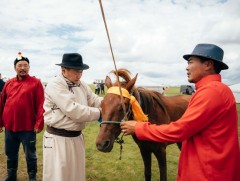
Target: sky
[{"x": 149, "y": 37}]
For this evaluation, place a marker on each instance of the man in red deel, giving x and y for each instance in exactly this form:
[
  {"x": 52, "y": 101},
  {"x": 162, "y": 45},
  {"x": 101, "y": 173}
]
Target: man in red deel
[
  {"x": 21, "y": 113},
  {"x": 208, "y": 129}
]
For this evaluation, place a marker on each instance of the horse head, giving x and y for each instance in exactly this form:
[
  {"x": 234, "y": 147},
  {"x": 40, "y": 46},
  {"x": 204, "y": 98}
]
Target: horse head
[{"x": 113, "y": 110}]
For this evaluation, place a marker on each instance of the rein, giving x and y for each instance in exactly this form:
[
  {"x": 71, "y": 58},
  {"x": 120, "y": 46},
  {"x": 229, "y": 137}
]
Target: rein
[
  {"x": 120, "y": 141},
  {"x": 111, "y": 122}
]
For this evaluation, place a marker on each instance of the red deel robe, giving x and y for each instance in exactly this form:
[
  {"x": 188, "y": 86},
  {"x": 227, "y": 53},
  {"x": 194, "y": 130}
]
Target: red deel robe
[
  {"x": 21, "y": 107},
  {"x": 209, "y": 132}
]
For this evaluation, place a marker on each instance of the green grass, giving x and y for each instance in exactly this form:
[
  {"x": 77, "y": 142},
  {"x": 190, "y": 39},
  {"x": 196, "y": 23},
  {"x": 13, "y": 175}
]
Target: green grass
[
  {"x": 106, "y": 166},
  {"x": 172, "y": 91}
]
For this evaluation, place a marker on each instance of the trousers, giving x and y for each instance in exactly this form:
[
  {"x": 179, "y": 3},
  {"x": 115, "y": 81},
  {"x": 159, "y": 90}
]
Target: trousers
[{"x": 13, "y": 141}]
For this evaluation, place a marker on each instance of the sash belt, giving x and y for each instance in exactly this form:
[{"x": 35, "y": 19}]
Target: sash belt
[{"x": 63, "y": 132}]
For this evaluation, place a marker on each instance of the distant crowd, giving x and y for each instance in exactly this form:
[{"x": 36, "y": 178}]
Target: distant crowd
[{"x": 99, "y": 87}]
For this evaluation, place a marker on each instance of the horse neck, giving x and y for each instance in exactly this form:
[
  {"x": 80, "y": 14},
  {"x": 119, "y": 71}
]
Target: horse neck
[
  {"x": 137, "y": 95},
  {"x": 153, "y": 103}
]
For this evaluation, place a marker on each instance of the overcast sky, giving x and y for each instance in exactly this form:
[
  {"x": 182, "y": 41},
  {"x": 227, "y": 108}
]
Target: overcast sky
[{"x": 149, "y": 37}]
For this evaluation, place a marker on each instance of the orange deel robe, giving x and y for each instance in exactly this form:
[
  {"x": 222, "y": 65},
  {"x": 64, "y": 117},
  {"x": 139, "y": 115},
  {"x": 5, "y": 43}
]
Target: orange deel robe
[{"x": 208, "y": 131}]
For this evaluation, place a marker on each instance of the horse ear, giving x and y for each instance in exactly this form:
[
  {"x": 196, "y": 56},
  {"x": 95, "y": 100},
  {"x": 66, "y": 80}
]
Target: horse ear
[
  {"x": 131, "y": 83},
  {"x": 108, "y": 82}
]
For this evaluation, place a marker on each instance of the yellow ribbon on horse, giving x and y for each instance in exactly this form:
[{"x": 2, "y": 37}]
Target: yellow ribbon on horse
[{"x": 138, "y": 113}]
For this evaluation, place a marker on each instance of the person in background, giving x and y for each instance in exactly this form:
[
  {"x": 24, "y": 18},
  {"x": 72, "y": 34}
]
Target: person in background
[
  {"x": 96, "y": 87},
  {"x": 102, "y": 87},
  {"x": 21, "y": 113},
  {"x": 1, "y": 83},
  {"x": 208, "y": 129},
  {"x": 69, "y": 105}
]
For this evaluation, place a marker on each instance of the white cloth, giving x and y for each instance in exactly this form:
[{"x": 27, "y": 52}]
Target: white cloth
[
  {"x": 67, "y": 108},
  {"x": 63, "y": 158}
]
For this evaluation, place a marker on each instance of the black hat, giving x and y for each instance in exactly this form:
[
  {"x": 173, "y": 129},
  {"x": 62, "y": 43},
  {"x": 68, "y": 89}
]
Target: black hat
[
  {"x": 20, "y": 58},
  {"x": 73, "y": 61},
  {"x": 210, "y": 51}
]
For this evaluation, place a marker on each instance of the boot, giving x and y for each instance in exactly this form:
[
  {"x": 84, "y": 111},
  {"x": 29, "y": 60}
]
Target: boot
[
  {"x": 11, "y": 171},
  {"x": 32, "y": 170}
]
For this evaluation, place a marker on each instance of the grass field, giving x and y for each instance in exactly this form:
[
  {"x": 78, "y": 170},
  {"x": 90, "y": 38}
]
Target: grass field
[{"x": 105, "y": 166}]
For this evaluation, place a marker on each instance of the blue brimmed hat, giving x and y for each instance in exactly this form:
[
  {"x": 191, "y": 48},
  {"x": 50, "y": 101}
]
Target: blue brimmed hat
[
  {"x": 210, "y": 51},
  {"x": 73, "y": 61}
]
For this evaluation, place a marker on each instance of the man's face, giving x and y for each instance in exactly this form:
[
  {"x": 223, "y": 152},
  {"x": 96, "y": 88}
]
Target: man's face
[
  {"x": 22, "y": 69},
  {"x": 196, "y": 69},
  {"x": 73, "y": 75}
]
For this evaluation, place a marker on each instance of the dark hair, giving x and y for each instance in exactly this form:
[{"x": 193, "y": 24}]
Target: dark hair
[
  {"x": 22, "y": 59},
  {"x": 217, "y": 66}
]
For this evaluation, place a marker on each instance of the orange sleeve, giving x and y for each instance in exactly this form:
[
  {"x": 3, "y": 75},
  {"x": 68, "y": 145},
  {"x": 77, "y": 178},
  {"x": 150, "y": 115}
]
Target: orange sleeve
[{"x": 204, "y": 108}]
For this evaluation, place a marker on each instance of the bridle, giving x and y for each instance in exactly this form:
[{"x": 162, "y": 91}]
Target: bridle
[
  {"x": 120, "y": 140},
  {"x": 127, "y": 114}
]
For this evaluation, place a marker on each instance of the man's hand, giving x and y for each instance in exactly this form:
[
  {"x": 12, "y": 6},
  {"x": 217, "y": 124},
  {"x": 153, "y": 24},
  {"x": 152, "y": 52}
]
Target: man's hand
[
  {"x": 128, "y": 127},
  {"x": 36, "y": 130},
  {"x": 1, "y": 129},
  {"x": 100, "y": 117}
]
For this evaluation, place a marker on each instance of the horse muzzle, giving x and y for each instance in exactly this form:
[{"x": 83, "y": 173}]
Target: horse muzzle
[{"x": 104, "y": 145}]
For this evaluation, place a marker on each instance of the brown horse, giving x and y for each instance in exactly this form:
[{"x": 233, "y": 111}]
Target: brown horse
[{"x": 159, "y": 108}]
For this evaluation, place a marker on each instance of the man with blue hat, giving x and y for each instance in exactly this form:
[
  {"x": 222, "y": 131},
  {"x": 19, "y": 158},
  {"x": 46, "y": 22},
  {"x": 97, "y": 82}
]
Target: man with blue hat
[
  {"x": 69, "y": 105},
  {"x": 208, "y": 129}
]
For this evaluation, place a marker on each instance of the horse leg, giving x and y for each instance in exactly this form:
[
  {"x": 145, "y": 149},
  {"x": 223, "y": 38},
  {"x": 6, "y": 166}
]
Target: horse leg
[
  {"x": 160, "y": 154},
  {"x": 147, "y": 160}
]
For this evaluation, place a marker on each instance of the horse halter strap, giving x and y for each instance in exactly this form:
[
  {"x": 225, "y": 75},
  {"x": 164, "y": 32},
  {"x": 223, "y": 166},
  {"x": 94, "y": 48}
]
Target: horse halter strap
[{"x": 125, "y": 93}]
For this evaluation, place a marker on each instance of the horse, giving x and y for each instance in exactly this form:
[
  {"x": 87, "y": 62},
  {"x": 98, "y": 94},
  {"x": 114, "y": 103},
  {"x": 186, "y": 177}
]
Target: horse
[{"x": 159, "y": 108}]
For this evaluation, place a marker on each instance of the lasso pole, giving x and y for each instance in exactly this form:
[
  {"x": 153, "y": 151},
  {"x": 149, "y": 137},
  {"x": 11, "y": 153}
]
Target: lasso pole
[{"x": 115, "y": 66}]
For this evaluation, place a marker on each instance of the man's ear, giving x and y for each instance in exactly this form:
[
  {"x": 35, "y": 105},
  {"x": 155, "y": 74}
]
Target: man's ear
[
  {"x": 63, "y": 70},
  {"x": 209, "y": 64}
]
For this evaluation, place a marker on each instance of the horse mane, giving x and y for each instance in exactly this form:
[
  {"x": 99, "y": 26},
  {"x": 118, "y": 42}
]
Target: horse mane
[
  {"x": 147, "y": 97},
  {"x": 124, "y": 74}
]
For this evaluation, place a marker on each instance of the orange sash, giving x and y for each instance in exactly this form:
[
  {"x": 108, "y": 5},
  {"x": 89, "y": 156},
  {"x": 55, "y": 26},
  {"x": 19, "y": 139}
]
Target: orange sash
[{"x": 138, "y": 113}]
